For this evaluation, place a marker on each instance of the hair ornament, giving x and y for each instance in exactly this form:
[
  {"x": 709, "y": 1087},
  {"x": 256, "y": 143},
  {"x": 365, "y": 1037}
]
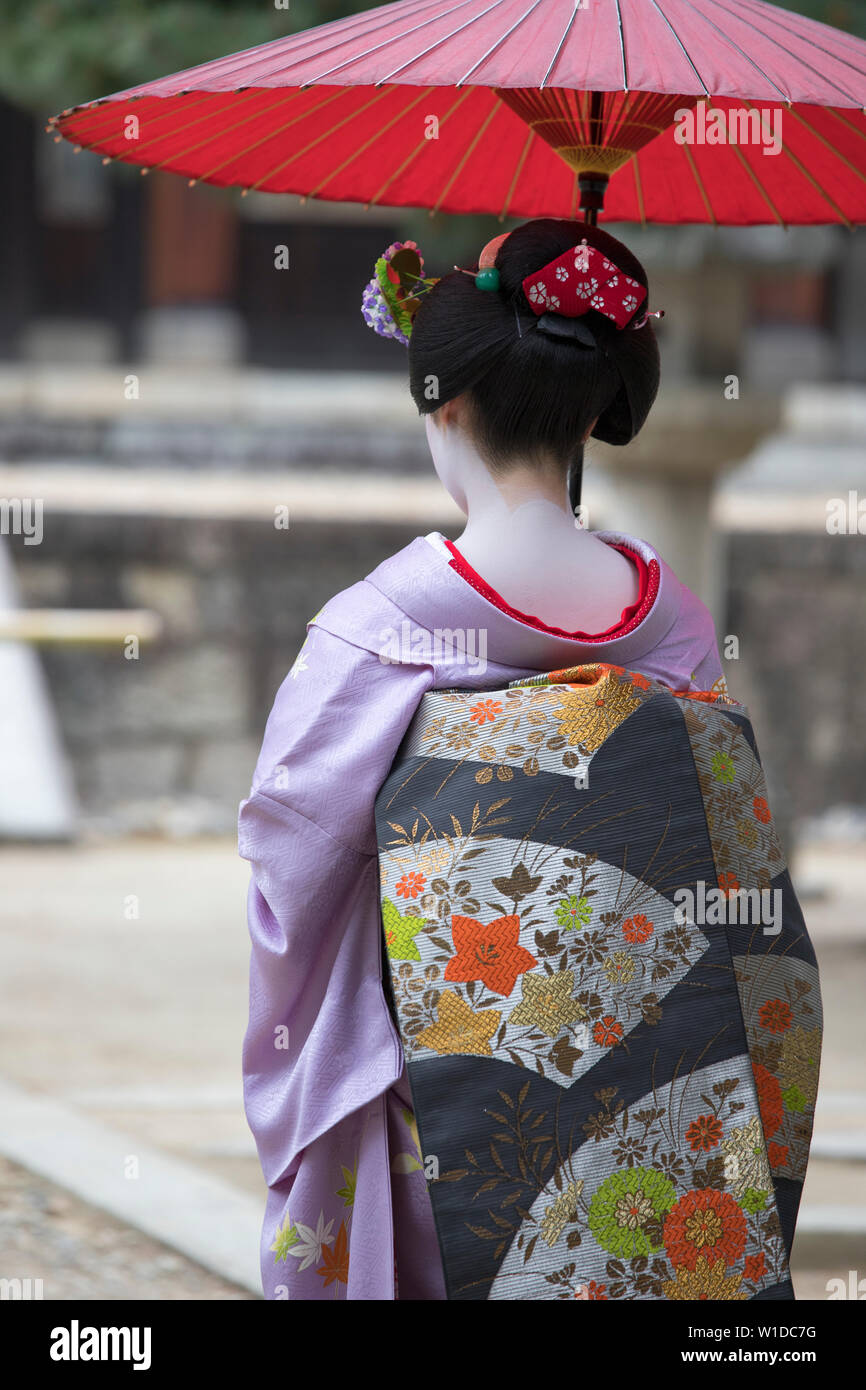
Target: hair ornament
[
  {"x": 651, "y": 314},
  {"x": 560, "y": 294},
  {"x": 392, "y": 298},
  {"x": 486, "y": 278},
  {"x": 581, "y": 279}
]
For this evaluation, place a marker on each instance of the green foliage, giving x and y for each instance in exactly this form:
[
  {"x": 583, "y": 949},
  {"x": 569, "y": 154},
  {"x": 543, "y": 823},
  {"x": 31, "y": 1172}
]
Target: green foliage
[
  {"x": 841, "y": 14},
  {"x": 56, "y": 53}
]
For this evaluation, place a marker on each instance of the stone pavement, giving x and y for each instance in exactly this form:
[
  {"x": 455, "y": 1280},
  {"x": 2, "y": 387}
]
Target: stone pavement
[
  {"x": 79, "y": 1252},
  {"x": 123, "y": 1000}
]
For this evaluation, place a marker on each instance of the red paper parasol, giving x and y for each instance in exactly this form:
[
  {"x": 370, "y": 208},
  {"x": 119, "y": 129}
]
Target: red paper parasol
[{"x": 522, "y": 108}]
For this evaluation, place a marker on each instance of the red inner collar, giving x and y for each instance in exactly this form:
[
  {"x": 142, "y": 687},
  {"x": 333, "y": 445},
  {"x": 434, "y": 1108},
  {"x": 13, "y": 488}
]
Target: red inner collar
[{"x": 648, "y": 576}]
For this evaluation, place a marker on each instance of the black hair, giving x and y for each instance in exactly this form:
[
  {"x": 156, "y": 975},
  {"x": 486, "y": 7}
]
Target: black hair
[{"x": 534, "y": 385}]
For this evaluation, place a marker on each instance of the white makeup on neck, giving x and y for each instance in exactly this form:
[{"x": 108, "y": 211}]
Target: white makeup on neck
[{"x": 522, "y": 539}]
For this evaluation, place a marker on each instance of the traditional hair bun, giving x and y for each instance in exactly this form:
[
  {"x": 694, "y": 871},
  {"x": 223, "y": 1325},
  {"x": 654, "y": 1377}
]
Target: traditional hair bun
[{"x": 533, "y": 384}]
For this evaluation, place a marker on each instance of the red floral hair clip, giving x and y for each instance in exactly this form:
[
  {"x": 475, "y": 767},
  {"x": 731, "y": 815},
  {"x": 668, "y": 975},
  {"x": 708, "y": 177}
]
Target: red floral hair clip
[{"x": 581, "y": 279}]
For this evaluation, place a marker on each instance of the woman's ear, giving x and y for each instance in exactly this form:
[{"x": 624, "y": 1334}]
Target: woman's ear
[{"x": 449, "y": 414}]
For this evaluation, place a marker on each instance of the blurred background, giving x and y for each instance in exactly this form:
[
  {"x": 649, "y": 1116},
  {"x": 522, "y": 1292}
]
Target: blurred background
[{"x": 177, "y": 368}]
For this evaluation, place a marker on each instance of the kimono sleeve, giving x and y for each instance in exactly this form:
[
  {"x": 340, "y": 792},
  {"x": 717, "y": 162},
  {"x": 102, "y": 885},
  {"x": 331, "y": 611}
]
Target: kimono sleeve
[
  {"x": 690, "y": 650},
  {"x": 320, "y": 1041},
  {"x": 708, "y": 674}
]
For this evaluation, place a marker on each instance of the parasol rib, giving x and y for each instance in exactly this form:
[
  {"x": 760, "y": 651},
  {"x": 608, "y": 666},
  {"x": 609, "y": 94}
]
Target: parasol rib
[
  {"x": 827, "y": 144},
  {"x": 826, "y": 32},
  {"x": 700, "y": 184},
  {"x": 218, "y": 133},
  {"x": 393, "y": 38},
  {"x": 806, "y": 175},
  {"x": 286, "y": 47},
  {"x": 845, "y": 122},
  {"x": 423, "y": 143},
  {"x": 280, "y": 130},
  {"x": 439, "y": 42},
  {"x": 107, "y": 117},
  {"x": 374, "y": 28},
  {"x": 516, "y": 175},
  {"x": 638, "y": 188},
  {"x": 760, "y": 187},
  {"x": 621, "y": 48},
  {"x": 686, "y": 54},
  {"x": 493, "y": 47},
  {"x": 730, "y": 42},
  {"x": 795, "y": 56},
  {"x": 559, "y": 46},
  {"x": 466, "y": 153},
  {"x": 324, "y": 135},
  {"x": 424, "y": 92}
]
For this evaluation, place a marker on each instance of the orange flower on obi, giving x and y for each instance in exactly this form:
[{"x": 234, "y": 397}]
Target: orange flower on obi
[
  {"x": 410, "y": 885},
  {"x": 776, "y": 1015},
  {"x": 484, "y": 710},
  {"x": 754, "y": 1267},
  {"x": 637, "y": 929},
  {"x": 777, "y": 1154},
  {"x": 607, "y": 1032},
  {"x": 704, "y": 1223},
  {"x": 335, "y": 1269},
  {"x": 492, "y": 954},
  {"x": 591, "y": 1291},
  {"x": 729, "y": 883},
  {"x": 769, "y": 1100},
  {"x": 761, "y": 810},
  {"x": 704, "y": 1133}
]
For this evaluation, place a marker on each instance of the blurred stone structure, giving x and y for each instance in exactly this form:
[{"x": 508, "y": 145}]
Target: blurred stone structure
[{"x": 168, "y": 742}]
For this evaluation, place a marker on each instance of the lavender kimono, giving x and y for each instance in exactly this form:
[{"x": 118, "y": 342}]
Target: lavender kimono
[{"x": 348, "y": 1213}]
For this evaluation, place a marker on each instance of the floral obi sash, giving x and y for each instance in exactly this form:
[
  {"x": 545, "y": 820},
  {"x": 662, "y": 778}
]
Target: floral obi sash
[{"x": 606, "y": 995}]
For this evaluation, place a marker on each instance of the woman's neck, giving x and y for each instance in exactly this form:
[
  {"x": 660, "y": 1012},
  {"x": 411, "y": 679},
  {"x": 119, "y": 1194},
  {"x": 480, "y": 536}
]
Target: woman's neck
[{"x": 521, "y": 537}]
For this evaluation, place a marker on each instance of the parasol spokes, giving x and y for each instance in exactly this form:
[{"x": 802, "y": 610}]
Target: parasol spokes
[{"x": 594, "y": 133}]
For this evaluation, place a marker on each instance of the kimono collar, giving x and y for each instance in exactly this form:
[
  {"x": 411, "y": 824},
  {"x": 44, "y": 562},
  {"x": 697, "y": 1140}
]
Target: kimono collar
[{"x": 420, "y": 581}]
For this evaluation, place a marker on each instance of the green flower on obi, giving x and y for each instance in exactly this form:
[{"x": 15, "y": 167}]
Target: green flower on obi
[
  {"x": 573, "y": 912},
  {"x": 723, "y": 767},
  {"x": 626, "y": 1213},
  {"x": 348, "y": 1192},
  {"x": 795, "y": 1100},
  {"x": 752, "y": 1200},
  {"x": 286, "y": 1237},
  {"x": 400, "y": 933}
]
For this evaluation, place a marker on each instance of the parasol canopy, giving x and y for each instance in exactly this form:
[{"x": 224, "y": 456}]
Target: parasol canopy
[{"x": 709, "y": 111}]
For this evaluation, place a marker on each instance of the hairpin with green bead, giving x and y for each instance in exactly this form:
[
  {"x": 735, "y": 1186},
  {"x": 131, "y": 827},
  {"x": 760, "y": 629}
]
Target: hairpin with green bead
[{"x": 485, "y": 279}]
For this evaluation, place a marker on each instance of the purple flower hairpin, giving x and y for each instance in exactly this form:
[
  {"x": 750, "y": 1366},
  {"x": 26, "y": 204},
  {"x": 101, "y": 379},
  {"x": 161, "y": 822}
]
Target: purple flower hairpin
[{"x": 391, "y": 299}]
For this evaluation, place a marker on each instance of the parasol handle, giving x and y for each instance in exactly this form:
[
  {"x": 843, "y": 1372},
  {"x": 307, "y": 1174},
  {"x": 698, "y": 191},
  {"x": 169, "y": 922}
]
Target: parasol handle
[{"x": 592, "y": 190}]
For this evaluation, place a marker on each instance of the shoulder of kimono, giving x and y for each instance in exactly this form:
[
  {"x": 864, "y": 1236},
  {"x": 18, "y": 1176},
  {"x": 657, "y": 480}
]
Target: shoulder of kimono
[{"x": 363, "y": 617}]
